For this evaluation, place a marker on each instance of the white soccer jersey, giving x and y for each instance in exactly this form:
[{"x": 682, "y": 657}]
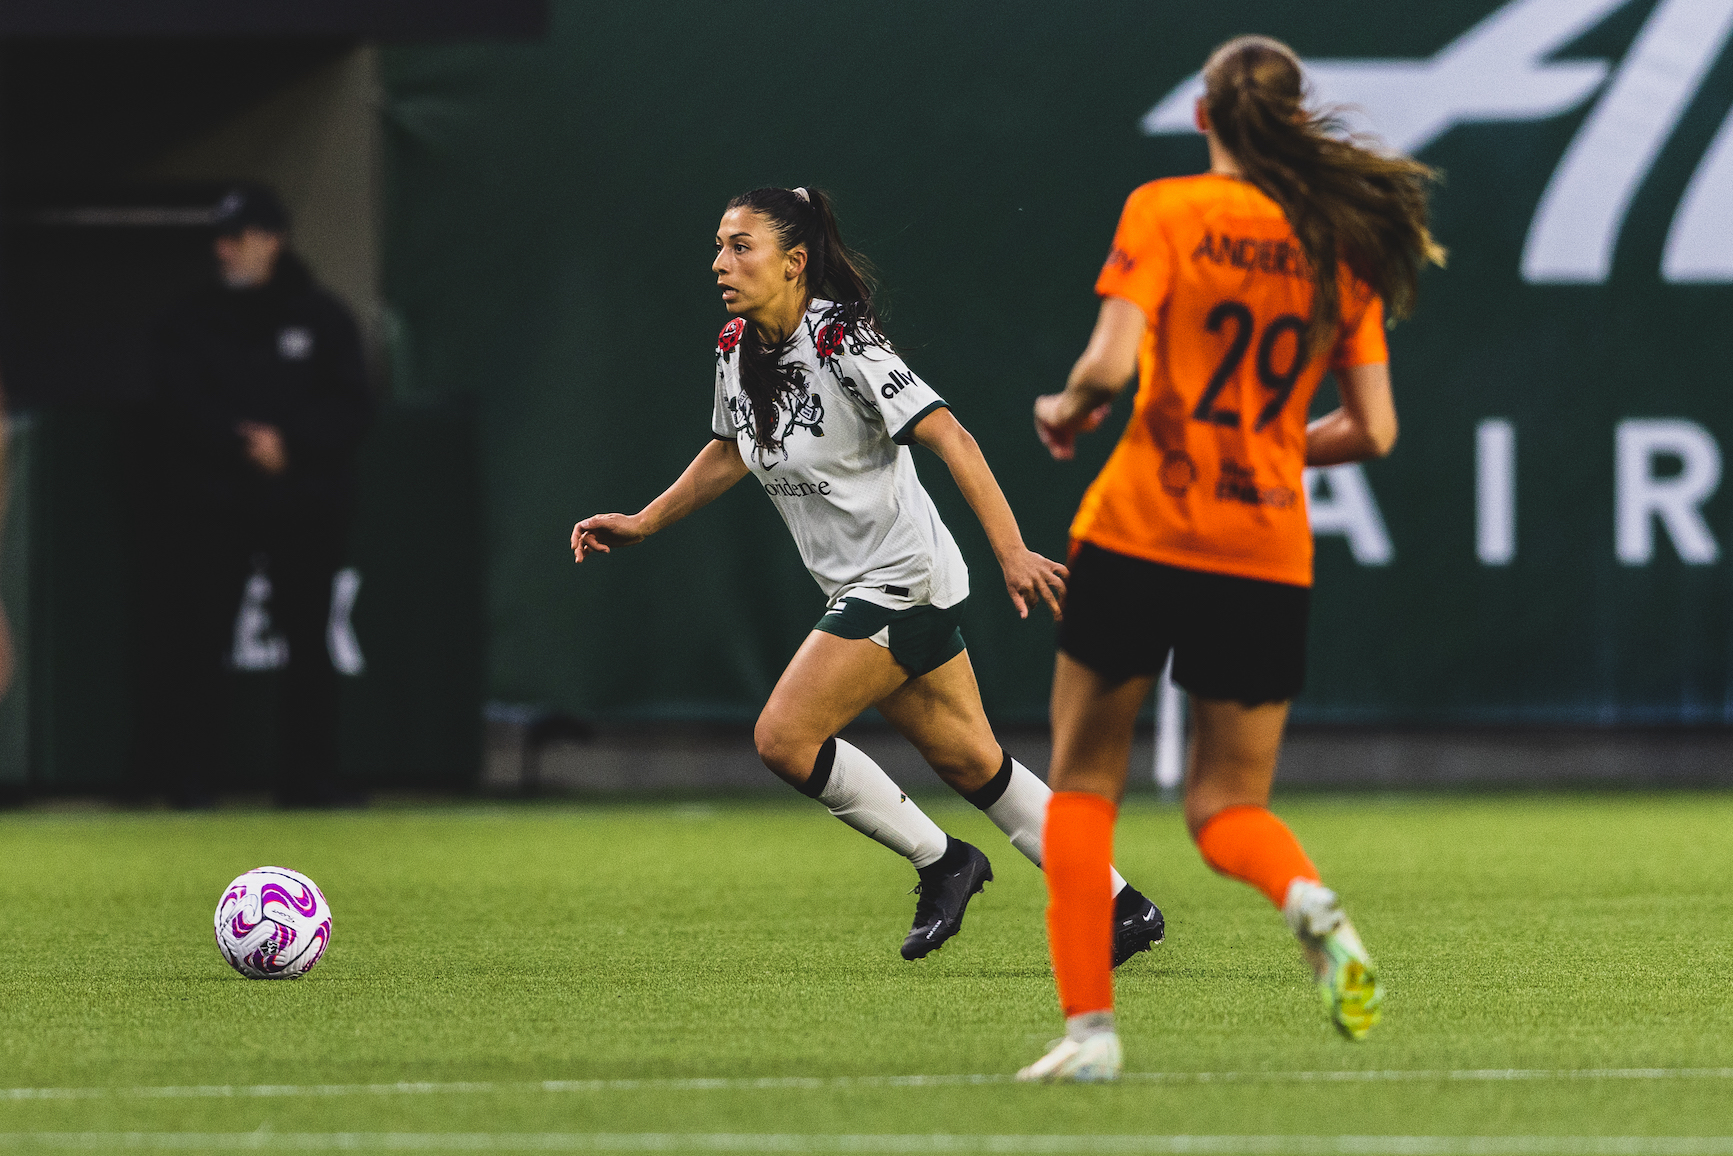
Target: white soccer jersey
[{"x": 843, "y": 478}]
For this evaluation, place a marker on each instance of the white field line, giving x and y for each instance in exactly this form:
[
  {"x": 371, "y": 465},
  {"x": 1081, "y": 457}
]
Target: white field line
[
  {"x": 915, "y": 1143},
  {"x": 823, "y": 1083}
]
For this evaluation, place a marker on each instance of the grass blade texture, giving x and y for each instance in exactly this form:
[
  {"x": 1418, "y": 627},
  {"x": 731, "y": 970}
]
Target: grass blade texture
[{"x": 726, "y": 977}]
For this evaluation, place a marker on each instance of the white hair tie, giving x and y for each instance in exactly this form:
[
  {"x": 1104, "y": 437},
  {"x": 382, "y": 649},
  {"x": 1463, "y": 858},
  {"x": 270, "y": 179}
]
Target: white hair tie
[{"x": 802, "y": 194}]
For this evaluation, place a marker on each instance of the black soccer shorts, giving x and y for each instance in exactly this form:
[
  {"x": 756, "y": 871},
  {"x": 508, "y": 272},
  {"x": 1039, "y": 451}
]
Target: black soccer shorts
[
  {"x": 921, "y": 638},
  {"x": 1236, "y": 639}
]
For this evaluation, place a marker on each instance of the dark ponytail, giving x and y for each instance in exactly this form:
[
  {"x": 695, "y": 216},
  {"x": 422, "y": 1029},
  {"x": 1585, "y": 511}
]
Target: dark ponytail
[
  {"x": 1345, "y": 201},
  {"x": 833, "y": 273}
]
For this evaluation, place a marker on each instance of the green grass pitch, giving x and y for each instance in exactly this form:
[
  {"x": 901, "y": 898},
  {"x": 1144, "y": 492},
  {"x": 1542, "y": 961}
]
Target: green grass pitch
[{"x": 1531, "y": 943}]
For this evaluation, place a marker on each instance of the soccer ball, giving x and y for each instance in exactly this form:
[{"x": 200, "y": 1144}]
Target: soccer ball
[{"x": 273, "y": 923}]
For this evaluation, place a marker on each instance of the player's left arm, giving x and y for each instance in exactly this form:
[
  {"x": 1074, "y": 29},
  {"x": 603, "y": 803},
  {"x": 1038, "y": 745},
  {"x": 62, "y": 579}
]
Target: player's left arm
[
  {"x": 1365, "y": 424},
  {"x": 1029, "y": 577}
]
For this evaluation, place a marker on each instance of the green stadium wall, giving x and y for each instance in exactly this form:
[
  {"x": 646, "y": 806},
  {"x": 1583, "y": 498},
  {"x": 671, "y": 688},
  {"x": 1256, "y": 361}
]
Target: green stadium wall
[{"x": 551, "y": 207}]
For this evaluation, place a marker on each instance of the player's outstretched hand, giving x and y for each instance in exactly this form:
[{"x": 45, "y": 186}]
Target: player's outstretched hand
[
  {"x": 1058, "y": 430},
  {"x": 1031, "y": 579},
  {"x": 600, "y": 533}
]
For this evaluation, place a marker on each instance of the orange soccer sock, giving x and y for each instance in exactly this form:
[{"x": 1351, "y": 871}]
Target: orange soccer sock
[
  {"x": 1252, "y": 845},
  {"x": 1077, "y": 854}
]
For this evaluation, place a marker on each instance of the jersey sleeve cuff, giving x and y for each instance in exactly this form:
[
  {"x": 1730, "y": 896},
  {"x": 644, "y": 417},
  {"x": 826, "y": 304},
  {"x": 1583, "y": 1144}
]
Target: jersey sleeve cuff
[
  {"x": 722, "y": 437},
  {"x": 1153, "y": 316},
  {"x": 907, "y": 434}
]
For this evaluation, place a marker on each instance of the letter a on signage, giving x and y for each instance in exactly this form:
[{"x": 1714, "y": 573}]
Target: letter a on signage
[{"x": 1340, "y": 501}]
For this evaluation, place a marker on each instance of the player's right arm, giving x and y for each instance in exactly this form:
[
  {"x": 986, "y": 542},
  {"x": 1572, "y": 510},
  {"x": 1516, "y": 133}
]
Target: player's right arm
[
  {"x": 1133, "y": 284},
  {"x": 1108, "y": 363},
  {"x": 1365, "y": 425},
  {"x": 716, "y": 468}
]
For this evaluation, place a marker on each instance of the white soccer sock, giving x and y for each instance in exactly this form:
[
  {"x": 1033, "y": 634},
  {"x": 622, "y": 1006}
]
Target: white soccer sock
[
  {"x": 863, "y": 796},
  {"x": 1021, "y": 813},
  {"x": 1080, "y": 1027}
]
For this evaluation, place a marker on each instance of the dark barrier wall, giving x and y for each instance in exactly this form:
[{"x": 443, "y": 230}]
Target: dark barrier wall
[
  {"x": 1549, "y": 542},
  {"x": 393, "y": 18},
  {"x": 413, "y": 651}
]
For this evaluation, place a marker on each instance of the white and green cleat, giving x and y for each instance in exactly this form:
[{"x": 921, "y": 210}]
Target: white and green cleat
[
  {"x": 1346, "y": 976},
  {"x": 1094, "y": 1060}
]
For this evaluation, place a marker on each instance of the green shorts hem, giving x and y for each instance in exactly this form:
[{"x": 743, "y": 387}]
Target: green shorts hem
[{"x": 922, "y": 638}]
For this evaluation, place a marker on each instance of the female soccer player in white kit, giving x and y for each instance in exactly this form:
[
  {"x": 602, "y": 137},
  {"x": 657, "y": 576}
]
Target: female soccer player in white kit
[{"x": 812, "y": 401}]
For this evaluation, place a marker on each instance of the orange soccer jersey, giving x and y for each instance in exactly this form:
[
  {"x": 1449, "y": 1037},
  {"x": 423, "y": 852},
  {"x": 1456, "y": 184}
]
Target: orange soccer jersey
[{"x": 1207, "y": 473}]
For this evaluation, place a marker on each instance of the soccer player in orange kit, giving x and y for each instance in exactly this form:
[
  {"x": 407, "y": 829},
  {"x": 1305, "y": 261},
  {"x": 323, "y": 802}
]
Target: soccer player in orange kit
[{"x": 1230, "y": 294}]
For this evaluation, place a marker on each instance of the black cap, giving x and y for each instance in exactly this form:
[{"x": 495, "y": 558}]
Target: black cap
[{"x": 250, "y": 206}]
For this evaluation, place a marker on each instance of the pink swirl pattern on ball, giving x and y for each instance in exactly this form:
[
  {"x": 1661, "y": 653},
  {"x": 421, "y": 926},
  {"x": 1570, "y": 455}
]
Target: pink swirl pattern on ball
[
  {"x": 316, "y": 949},
  {"x": 269, "y": 956},
  {"x": 306, "y": 902}
]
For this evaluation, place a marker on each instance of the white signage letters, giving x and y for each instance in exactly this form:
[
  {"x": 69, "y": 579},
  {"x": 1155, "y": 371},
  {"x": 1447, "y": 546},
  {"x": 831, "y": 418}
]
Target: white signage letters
[
  {"x": 1339, "y": 501},
  {"x": 1494, "y": 71},
  {"x": 340, "y": 637},
  {"x": 1577, "y": 224},
  {"x": 1641, "y": 498},
  {"x": 1499, "y": 71},
  {"x": 1700, "y": 244},
  {"x": 1495, "y": 492},
  {"x": 259, "y": 646},
  {"x": 1647, "y": 492}
]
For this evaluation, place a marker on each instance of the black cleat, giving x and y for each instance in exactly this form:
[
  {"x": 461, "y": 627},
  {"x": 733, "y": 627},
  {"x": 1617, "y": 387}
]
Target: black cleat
[
  {"x": 1137, "y": 924},
  {"x": 945, "y": 890}
]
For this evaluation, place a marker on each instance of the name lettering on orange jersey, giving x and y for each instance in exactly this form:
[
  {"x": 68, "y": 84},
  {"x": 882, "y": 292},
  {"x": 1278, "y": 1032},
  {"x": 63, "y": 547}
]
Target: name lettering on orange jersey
[{"x": 1283, "y": 258}]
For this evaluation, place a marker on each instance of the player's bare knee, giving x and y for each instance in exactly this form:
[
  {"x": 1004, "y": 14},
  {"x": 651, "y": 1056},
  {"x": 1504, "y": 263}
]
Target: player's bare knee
[{"x": 788, "y": 756}]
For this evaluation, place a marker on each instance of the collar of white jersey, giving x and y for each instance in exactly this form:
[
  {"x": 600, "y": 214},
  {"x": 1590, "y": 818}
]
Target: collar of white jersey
[{"x": 816, "y": 312}]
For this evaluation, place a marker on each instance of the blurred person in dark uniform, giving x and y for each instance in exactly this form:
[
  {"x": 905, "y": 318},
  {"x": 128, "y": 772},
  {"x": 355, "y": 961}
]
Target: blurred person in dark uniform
[{"x": 260, "y": 403}]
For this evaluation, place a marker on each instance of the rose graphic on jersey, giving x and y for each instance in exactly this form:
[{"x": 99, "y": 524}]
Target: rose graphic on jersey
[
  {"x": 730, "y": 337},
  {"x": 837, "y": 332}
]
